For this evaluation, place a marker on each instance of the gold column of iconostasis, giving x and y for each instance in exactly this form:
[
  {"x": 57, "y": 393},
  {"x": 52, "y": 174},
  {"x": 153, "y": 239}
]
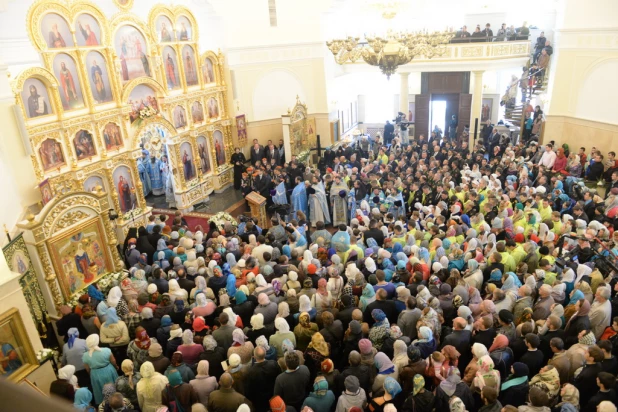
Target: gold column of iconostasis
[{"x": 118, "y": 98}]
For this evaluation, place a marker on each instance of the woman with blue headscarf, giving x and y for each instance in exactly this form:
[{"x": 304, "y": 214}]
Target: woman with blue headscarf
[
  {"x": 82, "y": 400},
  {"x": 321, "y": 399},
  {"x": 368, "y": 296},
  {"x": 72, "y": 354},
  {"x": 115, "y": 334},
  {"x": 391, "y": 390},
  {"x": 96, "y": 295}
]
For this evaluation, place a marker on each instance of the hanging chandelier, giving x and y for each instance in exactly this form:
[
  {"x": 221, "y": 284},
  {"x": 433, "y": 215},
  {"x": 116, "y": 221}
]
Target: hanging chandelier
[{"x": 391, "y": 51}]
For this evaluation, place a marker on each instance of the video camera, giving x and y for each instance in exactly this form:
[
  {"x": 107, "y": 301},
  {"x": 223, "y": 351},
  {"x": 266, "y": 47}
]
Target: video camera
[{"x": 401, "y": 121}]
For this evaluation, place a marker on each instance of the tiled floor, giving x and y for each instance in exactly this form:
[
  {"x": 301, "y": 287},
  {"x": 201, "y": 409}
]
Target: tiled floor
[{"x": 217, "y": 201}]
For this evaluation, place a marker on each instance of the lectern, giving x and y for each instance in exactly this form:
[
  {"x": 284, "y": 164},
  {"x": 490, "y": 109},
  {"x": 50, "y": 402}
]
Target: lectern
[{"x": 257, "y": 203}]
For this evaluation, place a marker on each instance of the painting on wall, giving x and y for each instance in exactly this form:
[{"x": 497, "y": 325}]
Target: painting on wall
[
  {"x": 47, "y": 193},
  {"x": 51, "y": 154},
  {"x": 131, "y": 49},
  {"x": 112, "y": 136},
  {"x": 180, "y": 117},
  {"x": 36, "y": 98},
  {"x": 188, "y": 167},
  {"x": 123, "y": 182},
  {"x": 171, "y": 68},
  {"x": 217, "y": 137},
  {"x": 98, "y": 77},
  {"x": 213, "y": 108},
  {"x": 311, "y": 132},
  {"x": 84, "y": 145},
  {"x": 87, "y": 30},
  {"x": 142, "y": 98},
  {"x": 68, "y": 82},
  {"x": 486, "y": 109},
  {"x": 165, "y": 29},
  {"x": 56, "y": 31},
  {"x": 80, "y": 256},
  {"x": 188, "y": 59},
  {"x": 92, "y": 182},
  {"x": 202, "y": 149},
  {"x": 197, "y": 112},
  {"x": 208, "y": 71},
  {"x": 18, "y": 357},
  {"x": 241, "y": 128},
  {"x": 184, "y": 29}
]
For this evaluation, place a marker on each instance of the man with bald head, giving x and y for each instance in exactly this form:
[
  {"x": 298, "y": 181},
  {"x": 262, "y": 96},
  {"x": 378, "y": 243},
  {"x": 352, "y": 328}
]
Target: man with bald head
[
  {"x": 260, "y": 379},
  {"x": 461, "y": 339},
  {"x": 226, "y": 399}
]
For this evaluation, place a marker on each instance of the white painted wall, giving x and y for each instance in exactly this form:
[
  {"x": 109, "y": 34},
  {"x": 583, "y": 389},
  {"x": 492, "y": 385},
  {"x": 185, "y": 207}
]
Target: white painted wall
[{"x": 597, "y": 96}]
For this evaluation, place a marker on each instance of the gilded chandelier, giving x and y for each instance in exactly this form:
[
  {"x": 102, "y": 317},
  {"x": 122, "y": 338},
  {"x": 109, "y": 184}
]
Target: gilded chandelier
[{"x": 391, "y": 51}]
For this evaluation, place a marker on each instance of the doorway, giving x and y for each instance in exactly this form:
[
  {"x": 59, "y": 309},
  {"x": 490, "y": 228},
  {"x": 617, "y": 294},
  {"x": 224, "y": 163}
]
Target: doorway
[
  {"x": 446, "y": 106},
  {"x": 438, "y": 115}
]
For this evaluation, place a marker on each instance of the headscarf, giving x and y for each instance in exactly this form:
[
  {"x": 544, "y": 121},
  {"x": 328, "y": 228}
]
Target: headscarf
[
  {"x": 570, "y": 394},
  {"x": 142, "y": 340},
  {"x": 449, "y": 385},
  {"x": 576, "y": 296},
  {"x": 82, "y": 399},
  {"x": 419, "y": 384},
  {"x": 113, "y": 296},
  {"x": 209, "y": 342},
  {"x": 111, "y": 317},
  {"x": 500, "y": 342},
  {"x": 128, "y": 369},
  {"x": 92, "y": 343},
  {"x": 320, "y": 387},
  {"x": 95, "y": 293},
  {"x": 304, "y": 320},
  {"x": 319, "y": 344},
  {"x": 392, "y": 386},
  {"x": 240, "y": 297},
  {"x": 68, "y": 374},
  {"x": 383, "y": 364},
  {"x": 202, "y": 368},
  {"x": 283, "y": 310},
  {"x": 174, "y": 377},
  {"x": 282, "y": 325},
  {"x": 108, "y": 390},
  {"x": 455, "y": 404},
  {"x": 73, "y": 334},
  {"x": 425, "y": 334}
]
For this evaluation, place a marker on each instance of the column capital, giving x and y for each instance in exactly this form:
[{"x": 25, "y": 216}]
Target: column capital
[
  {"x": 478, "y": 72},
  {"x": 404, "y": 74}
]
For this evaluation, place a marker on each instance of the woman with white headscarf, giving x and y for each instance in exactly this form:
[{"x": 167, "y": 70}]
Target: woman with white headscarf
[
  {"x": 283, "y": 333},
  {"x": 176, "y": 292},
  {"x": 115, "y": 334},
  {"x": 200, "y": 286},
  {"x": 150, "y": 388},
  {"x": 115, "y": 300},
  {"x": 241, "y": 347},
  {"x": 101, "y": 365},
  {"x": 66, "y": 384},
  {"x": 204, "y": 384},
  {"x": 189, "y": 349}
]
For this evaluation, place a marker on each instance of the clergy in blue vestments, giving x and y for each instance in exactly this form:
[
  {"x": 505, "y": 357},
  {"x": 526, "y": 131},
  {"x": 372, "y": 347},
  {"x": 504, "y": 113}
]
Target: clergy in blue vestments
[
  {"x": 318, "y": 207},
  {"x": 280, "y": 198},
  {"x": 156, "y": 177},
  {"x": 341, "y": 240},
  {"x": 299, "y": 197},
  {"x": 395, "y": 202},
  {"x": 142, "y": 168},
  {"x": 376, "y": 197}
]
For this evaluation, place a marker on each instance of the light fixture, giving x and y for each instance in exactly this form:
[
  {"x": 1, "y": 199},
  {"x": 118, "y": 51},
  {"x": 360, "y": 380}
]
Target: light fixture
[{"x": 391, "y": 51}]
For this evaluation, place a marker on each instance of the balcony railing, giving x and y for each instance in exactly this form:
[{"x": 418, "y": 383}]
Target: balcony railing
[{"x": 481, "y": 51}]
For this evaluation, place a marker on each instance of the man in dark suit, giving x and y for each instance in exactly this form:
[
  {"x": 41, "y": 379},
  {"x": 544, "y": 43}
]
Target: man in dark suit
[
  {"x": 260, "y": 379},
  {"x": 389, "y": 132},
  {"x": 257, "y": 153},
  {"x": 272, "y": 152},
  {"x": 261, "y": 184},
  {"x": 387, "y": 306}
]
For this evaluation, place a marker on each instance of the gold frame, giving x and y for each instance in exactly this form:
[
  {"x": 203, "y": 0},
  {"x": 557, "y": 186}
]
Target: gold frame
[
  {"x": 124, "y": 7},
  {"x": 62, "y": 277},
  {"x": 30, "y": 363}
]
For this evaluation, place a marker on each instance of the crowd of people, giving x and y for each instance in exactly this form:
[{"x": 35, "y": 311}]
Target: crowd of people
[
  {"x": 504, "y": 33},
  {"x": 416, "y": 277}
]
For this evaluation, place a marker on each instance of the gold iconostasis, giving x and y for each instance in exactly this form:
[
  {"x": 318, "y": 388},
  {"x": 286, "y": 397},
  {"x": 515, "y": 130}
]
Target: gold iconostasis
[{"x": 111, "y": 88}]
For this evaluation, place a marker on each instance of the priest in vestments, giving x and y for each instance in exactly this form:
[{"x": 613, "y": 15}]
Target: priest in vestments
[
  {"x": 142, "y": 168},
  {"x": 376, "y": 198},
  {"x": 338, "y": 197},
  {"x": 341, "y": 242},
  {"x": 318, "y": 206},
  {"x": 298, "y": 198},
  {"x": 395, "y": 203},
  {"x": 279, "y": 196},
  {"x": 156, "y": 177}
]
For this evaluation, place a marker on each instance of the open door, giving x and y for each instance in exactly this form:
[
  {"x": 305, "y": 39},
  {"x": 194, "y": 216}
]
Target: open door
[
  {"x": 465, "y": 107},
  {"x": 421, "y": 115}
]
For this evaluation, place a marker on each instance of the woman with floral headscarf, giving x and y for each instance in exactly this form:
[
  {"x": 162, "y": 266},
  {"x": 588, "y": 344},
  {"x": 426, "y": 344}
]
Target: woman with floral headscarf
[
  {"x": 486, "y": 375},
  {"x": 304, "y": 331},
  {"x": 317, "y": 350},
  {"x": 137, "y": 350},
  {"x": 548, "y": 380},
  {"x": 421, "y": 400},
  {"x": 380, "y": 329},
  {"x": 165, "y": 307}
]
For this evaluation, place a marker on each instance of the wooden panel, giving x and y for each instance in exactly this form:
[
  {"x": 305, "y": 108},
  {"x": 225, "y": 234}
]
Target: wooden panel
[
  {"x": 445, "y": 82},
  {"x": 421, "y": 115},
  {"x": 465, "y": 107}
]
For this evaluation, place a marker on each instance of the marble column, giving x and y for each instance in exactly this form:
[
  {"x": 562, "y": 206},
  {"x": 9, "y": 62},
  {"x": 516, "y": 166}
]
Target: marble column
[
  {"x": 286, "y": 121},
  {"x": 404, "y": 93},
  {"x": 477, "y": 103}
]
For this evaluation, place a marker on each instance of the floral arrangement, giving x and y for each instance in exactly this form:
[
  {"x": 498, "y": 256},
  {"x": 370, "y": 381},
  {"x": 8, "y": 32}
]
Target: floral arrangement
[
  {"x": 220, "y": 218},
  {"x": 45, "y": 354},
  {"x": 132, "y": 213},
  {"x": 303, "y": 157},
  {"x": 147, "y": 112},
  {"x": 104, "y": 284}
]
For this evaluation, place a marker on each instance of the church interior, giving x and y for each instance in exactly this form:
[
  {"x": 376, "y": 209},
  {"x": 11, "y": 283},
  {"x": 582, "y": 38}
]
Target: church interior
[{"x": 115, "y": 112}]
